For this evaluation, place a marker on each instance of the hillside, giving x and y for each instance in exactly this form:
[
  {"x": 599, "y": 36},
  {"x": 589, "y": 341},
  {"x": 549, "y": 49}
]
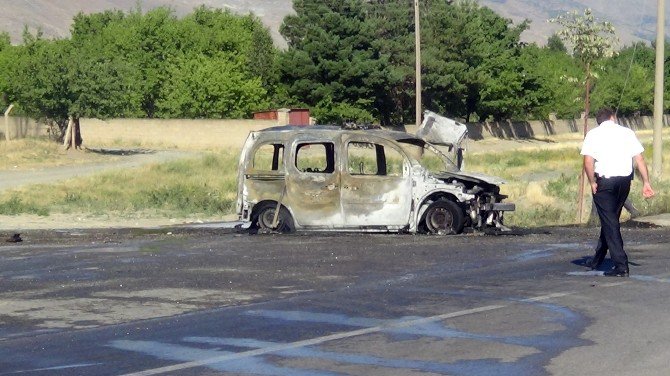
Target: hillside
[
  {"x": 55, "y": 17},
  {"x": 633, "y": 19}
]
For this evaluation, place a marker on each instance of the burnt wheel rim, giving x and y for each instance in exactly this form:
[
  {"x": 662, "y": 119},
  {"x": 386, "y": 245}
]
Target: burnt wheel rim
[
  {"x": 440, "y": 220},
  {"x": 266, "y": 219}
]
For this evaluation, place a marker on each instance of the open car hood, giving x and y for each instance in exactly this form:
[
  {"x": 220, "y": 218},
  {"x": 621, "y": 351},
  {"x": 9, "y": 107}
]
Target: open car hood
[
  {"x": 471, "y": 176},
  {"x": 439, "y": 130}
]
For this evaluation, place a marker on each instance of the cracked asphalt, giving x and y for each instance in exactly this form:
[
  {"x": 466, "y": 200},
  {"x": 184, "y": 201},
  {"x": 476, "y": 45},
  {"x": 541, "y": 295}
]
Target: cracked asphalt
[{"x": 208, "y": 301}]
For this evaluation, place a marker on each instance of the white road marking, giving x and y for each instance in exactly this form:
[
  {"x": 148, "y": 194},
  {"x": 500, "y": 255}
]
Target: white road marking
[
  {"x": 334, "y": 337},
  {"x": 350, "y": 334},
  {"x": 55, "y": 368}
]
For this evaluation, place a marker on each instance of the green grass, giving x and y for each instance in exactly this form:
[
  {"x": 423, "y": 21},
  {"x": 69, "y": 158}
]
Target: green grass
[
  {"x": 15, "y": 205},
  {"x": 511, "y": 165},
  {"x": 564, "y": 188},
  {"x": 204, "y": 186}
]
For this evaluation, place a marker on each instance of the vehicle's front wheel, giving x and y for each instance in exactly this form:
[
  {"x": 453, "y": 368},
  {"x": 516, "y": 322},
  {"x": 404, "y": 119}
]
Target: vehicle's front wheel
[
  {"x": 265, "y": 217},
  {"x": 444, "y": 217}
]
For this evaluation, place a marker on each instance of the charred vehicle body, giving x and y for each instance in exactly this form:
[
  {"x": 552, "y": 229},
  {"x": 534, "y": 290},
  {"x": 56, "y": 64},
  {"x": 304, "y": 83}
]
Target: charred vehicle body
[{"x": 330, "y": 178}]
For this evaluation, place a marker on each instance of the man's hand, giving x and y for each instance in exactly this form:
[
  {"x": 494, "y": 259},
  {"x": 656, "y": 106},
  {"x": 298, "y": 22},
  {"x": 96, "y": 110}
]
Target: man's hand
[
  {"x": 647, "y": 191},
  {"x": 589, "y": 170}
]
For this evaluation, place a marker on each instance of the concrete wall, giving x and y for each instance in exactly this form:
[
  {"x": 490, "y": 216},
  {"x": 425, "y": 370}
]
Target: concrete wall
[
  {"x": 188, "y": 134},
  {"x": 198, "y": 134},
  {"x": 542, "y": 128},
  {"x": 21, "y": 127}
]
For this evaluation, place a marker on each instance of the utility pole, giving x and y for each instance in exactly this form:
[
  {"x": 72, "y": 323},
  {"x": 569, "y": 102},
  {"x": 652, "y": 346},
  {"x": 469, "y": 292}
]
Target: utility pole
[
  {"x": 417, "y": 42},
  {"x": 658, "y": 90}
]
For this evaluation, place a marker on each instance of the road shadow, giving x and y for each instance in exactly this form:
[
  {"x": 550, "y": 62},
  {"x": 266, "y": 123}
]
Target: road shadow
[{"x": 606, "y": 265}]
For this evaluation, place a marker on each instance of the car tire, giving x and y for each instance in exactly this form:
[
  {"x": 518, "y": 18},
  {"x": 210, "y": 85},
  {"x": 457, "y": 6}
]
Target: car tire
[
  {"x": 443, "y": 217},
  {"x": 265, "y": 216}
]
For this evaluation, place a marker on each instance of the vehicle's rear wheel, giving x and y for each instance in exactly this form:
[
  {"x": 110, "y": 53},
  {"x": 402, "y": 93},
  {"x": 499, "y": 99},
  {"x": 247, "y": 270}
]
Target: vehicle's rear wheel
[
  {"x": 265, "y": 217},
  {"x": 444, "y": 217}
]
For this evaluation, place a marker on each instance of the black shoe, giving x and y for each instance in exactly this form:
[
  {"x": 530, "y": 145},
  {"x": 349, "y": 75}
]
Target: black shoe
[
  {"x": 592, "y": 265},
  {"x": 616, "y": 273}
]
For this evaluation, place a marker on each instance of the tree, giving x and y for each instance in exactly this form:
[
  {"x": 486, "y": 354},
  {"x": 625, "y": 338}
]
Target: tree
[
  {"x": 158, "y": 44},
  {"x": 6, "y": 60},
  {"x": 58, "y": 82},
  {"x": 209, "y": 64},
  {"x": 393, "y": 21},
  {"x": 590, "y": 40},
  {"x": 626, "y": 81},
  {"x": 39, "y": 81},
  {"x": 555, "y": 73},
  {"x": 472, "y": 62},
  {"x": 331, "y": 55},
  {"x": 213, "y": 88},
  {"x": 470, "y": 58},
  {"x": 217, "y": 32},
  {"x": 554, "y": 43}
]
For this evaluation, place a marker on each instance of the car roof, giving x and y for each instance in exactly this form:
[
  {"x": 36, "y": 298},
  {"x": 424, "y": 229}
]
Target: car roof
[{"x": 331, "y": 129}]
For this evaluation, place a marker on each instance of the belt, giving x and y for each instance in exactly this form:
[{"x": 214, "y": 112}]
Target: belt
[{"x": 598, "y": 176}]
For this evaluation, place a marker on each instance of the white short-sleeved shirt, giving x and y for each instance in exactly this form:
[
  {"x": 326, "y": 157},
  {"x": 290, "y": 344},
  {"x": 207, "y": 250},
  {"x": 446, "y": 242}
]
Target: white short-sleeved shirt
[{"x": 613, "y": 148}]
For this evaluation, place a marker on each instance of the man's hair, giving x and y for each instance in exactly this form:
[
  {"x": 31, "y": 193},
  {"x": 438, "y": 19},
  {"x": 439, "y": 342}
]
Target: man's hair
[{"x": 604, "y": 114}]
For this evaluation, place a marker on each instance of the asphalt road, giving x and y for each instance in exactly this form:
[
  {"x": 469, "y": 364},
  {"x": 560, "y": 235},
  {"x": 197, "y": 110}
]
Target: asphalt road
[{"x": 198, "y": 302}]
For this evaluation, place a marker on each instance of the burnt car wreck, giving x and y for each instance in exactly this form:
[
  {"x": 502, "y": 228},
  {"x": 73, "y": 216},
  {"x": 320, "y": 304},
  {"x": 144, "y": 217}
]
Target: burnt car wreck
[{"x": 328, "y": 178}]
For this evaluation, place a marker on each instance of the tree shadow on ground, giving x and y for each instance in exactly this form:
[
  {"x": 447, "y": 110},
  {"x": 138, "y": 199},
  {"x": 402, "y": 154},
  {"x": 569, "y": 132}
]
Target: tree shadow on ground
[{"x": 104, "y": 151}]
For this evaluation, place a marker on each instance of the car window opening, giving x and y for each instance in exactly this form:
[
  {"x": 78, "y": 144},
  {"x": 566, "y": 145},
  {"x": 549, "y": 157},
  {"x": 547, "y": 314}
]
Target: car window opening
[
  {"x": 315, "y": 157},
  {"x": 269, "y": 157}
]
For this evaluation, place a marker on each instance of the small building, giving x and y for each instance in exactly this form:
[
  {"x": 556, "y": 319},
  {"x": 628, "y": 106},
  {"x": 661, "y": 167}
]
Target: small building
[{"x": 285, "y": 116}]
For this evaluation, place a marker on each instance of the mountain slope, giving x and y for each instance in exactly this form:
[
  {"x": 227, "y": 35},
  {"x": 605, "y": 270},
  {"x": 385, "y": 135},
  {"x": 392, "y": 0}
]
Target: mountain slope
[{"x": 633, "y": 19}]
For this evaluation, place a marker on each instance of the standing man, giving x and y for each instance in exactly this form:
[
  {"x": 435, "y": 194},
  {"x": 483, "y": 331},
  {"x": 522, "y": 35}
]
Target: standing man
[{"x": 609, "y": 151}]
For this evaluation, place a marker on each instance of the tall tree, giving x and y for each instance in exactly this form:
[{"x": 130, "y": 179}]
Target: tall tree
[
  {"x": 470, "y": 58},
  {"x": 590, "y": 40},
  {"x": 332, "y": 57},
  {"x": 471, "y": 61},
  {"x": 394, "y": 22},
  {"x": 55, "y": 82}
]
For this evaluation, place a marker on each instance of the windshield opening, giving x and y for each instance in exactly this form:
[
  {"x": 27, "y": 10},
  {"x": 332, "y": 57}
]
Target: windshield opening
[{"x": 429, "y": 156}]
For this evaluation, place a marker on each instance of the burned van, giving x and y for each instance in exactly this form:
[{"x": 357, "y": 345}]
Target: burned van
[{"x": 330, "y": 178}]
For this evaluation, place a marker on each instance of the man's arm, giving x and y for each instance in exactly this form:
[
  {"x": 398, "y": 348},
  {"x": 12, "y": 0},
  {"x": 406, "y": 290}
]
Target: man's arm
[
  {"x": 647, "y": 191},
  {"x": 590, "y": 170}
]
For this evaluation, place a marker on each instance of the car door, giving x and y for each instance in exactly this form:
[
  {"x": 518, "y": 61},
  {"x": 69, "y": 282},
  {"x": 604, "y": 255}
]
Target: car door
[
  {"x": 376, "y": 183},
  {"x": 313, "y": 183},
  {"x": 263, "y": 173}
]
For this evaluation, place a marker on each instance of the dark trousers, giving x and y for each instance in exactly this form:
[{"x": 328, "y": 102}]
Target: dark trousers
[{"x": 609, "y": 200}]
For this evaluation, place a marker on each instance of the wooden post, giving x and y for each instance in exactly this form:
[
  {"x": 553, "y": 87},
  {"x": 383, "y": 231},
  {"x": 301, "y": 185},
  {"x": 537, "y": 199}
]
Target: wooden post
[
  {"x": 582, "y": 180},
  {"x": 9, "y": 109},
  {"x": 417, "y": 43},
  {"x": 68, "y": 139},
  {"x": 657, "y": 160}
]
